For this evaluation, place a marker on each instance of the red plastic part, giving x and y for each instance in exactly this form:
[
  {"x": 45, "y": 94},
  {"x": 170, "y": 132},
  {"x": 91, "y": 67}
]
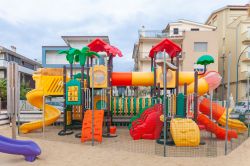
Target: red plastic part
[
  {"x": 170, "y": 47},
  {"x": 217, "y": 110},
  {"x": 112, "y": 129},
  {"x": 214, "y": 128},
  {"x": 98, "y": 45},
  {"x": 148, "y": 126},
  {"x": 121, "y": 79}
]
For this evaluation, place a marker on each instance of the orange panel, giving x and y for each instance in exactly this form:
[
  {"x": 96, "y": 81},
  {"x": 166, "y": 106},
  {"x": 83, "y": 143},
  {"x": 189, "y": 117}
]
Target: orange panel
[
  {"x": 121, "y": 79},
  {"x": 87, "y": 125}
]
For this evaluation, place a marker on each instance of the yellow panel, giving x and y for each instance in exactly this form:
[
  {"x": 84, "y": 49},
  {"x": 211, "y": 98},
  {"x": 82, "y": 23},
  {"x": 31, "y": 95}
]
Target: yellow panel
[
  {"x": 185, "y": 132},
  {"x": 170, "y": 78},
  {"x": 100, "y": 77},
  {"x": 202, "y": 87},
  {"x": 142, "y": 78}
]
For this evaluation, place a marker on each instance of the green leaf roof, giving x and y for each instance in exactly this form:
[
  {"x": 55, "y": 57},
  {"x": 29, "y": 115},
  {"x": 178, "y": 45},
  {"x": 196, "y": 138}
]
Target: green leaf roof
[
  {"x": 205, "y": 60},
  {"x": 79, "y": 76}
]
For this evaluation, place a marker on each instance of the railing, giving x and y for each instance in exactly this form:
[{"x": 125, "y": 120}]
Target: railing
[
  {"x": 158, "y": 34},
  {"x": 246, "y": 37}
]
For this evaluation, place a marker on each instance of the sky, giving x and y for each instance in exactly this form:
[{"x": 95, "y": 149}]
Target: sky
[{"x": 30, "y": 24}]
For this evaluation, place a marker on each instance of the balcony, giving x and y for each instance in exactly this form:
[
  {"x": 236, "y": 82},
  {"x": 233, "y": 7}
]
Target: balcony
[
  {"x": 246, "y": 38},
  {"x": 157, "y": 34},
  {"x": 246, "y": 57}
]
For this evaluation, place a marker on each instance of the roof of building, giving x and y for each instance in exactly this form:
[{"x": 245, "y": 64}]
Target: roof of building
[
  {"x": 5, "y": 50},
  {"x": 181, "y": 21},
  {"x": 236, "y": 7},
  {"x": 67, "y": 39}
]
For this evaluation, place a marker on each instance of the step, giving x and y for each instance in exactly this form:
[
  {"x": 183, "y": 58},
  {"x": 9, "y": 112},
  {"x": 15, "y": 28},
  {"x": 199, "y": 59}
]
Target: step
[{"x": 3, "y": 122}]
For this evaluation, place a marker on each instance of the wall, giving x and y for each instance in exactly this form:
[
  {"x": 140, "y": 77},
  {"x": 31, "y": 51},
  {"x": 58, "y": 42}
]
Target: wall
[
  {"x": 188, "y": 48},
  {"x": 184, "y": 27}
]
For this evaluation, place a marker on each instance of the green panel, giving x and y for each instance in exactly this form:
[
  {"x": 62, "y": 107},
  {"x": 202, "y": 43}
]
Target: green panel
[
  {"x": 146, "y": 102},
  {"x": 140, "y": 104},
  {"x": 134, "y": 102},
  {"x": 112, "y": 106},
  {"x": 117, "y": 105},
  {"x": 180, "y": 109},
  {"x": 100, "y": 103},
  {"x": 79, "y": 92},
  {"x": 129, "y": 105}
]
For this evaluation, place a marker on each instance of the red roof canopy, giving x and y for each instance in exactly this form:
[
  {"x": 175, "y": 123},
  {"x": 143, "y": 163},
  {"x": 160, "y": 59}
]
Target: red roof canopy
[
  {"x": 170, "y": 47},
  {"x": 98, "y": 45}
]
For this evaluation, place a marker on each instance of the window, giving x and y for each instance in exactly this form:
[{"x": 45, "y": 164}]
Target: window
[
  {"x": 176, "y": 31},
  {"x": 248, "y": 32},
  {"x": 200, "y": 46},
  {"x": 195, "y": 29},
  {"x": 248, "y": 52},
  {"x": 2, "y": 75},
  {"x": 28, "y": 65},
  {"x": 2, "y": 56}
]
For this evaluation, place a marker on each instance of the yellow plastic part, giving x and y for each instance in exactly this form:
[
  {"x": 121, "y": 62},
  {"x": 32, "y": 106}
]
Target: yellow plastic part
[
  {"x": 170, "y": 78},
  {"x": 35, "y": 98},
  {"x": 202, "y": 87},
  {"x": 185, "y": 132},
  {"x": 48, "y": 82},
  {"x": 232, "y": 123},
  {"x": 100, "y": 77},
  {"x": 142, "y": 78}
]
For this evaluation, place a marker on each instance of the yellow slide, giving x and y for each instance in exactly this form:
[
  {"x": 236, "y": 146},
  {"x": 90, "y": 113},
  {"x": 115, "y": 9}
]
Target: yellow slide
[
  {"x": 35, "y": 98},
  {"x": 232, "y": 123},
  {"x": 49, "y": 82}
]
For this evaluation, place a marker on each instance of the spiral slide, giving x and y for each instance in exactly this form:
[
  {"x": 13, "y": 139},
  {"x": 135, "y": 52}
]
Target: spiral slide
[
  {"x": 219, "y": 114},
  {"x": 48, "y": 83},
  {"x": 35, "y": 98}
]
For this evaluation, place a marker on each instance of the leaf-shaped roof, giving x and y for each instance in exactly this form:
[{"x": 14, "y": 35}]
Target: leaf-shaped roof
[{"x": 205, "y": 60}]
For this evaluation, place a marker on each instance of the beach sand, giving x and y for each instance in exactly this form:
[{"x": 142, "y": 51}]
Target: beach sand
[{"x": 68, "y": 151}]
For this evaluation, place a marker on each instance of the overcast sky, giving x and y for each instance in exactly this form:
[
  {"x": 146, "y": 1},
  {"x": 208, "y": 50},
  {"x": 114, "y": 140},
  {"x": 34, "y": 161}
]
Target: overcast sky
[{"x": 29, "y": 24}]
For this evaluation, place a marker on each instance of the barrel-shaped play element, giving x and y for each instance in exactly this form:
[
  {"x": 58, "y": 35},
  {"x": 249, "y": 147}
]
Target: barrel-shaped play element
[
  {"x": 121, "y": 78},
  {"x": 142, "y": 78},
  {"x": 202, "y": 87},
  {"x": 185, "y": 132}
]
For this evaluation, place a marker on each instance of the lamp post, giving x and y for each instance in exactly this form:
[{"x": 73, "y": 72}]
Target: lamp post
[{"x": 237, "y": 74}]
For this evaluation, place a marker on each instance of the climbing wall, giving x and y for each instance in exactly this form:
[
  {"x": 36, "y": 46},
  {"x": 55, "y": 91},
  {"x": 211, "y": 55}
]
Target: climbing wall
[{"x": 87, "y": 125}]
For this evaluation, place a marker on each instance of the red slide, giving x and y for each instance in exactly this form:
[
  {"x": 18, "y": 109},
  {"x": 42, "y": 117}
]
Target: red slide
[
  {"x": 214, "y": 128},
  {"x": 148, "y": 126}
]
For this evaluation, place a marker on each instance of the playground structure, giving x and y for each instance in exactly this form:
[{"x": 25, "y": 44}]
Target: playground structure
[{"x": 89, "y": 102}]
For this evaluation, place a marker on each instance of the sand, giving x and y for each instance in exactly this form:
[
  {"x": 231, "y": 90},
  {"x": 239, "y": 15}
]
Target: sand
[{"x": 68, "y": 151}]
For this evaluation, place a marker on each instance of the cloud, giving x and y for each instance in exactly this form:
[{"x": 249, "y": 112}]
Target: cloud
[{"x": 29, "y": 24}]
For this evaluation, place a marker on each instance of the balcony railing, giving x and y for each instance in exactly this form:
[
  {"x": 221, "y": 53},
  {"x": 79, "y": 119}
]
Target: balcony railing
[
  {"x": 246, "y": 37},
  {"x": 158, "y": 34},
  {"x": 245, "y": 57}
]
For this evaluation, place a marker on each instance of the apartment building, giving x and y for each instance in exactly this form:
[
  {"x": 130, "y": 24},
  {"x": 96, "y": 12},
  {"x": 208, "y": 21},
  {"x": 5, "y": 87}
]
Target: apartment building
[
  {"x": 233, "y": 36},
  {"x": 194, "y": 38},
  {"x": 26, "y": 66},
  {"x": 51, "y": 59}
]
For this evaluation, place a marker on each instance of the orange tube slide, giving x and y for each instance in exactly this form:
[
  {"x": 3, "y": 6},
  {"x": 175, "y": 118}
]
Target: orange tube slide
[{"x": 147, "y": 79}]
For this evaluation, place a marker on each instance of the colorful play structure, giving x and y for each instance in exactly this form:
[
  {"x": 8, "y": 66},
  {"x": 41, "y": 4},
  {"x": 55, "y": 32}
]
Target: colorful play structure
[{"x": 90, "y": 104}]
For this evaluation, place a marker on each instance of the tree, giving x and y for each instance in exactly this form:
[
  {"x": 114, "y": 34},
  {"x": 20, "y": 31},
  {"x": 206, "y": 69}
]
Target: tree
[
  {"x": 24, "y": 89},
  {"x": 82, "y": 55},
  {"x": 205, "y": 60},
  {"x": 70, "y": 57},
  {"x": 3, "y": 89}
]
